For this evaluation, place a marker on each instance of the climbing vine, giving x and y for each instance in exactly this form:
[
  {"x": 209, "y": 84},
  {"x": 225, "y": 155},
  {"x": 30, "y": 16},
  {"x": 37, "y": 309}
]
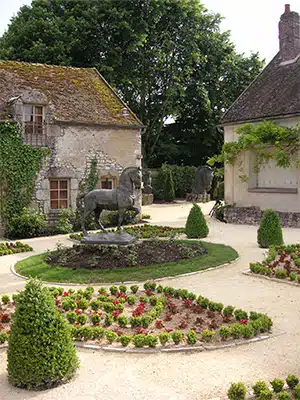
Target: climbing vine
[
  {"x": 266, "y": 141},
  {"x": 19, "y": 166},
  {"x": 92, "y": 177}
]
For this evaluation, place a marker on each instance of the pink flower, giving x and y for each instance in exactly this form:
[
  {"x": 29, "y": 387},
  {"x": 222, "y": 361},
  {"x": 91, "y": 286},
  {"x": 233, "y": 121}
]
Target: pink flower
[{"x": 244, "y": 321}]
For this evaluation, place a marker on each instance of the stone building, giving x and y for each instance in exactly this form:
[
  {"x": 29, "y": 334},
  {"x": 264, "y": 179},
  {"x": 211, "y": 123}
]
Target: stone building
[
  {"x": 75, "y": 113},
  {"x": 273, "y": 95}
]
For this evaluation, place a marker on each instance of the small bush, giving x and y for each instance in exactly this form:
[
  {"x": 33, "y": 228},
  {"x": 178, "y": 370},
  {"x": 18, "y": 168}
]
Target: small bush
[
  {"x": 151, "y": 340},
  {"x": 71, "y": 317},
  {"x": 237, "y": 331},
  {"x": 3, "y": 337},
  {"x": 228, "y": 311},
  {"x": 134, "y": 288},
  {"x": 293, "y": 276},
  {"x": 108, "y": 320},
  {"x": 176, "y": 337},
  {"x": 296, "y": 392},
  {"x": 277, "y": 385},
  {"x": 83, "y": 304},
  {"x": 240, "y": 314},
  {"x": 140, "y": 340},
  {"x": 225, "y": 332},
  {"x": 237, "y": 391},
  {"x": 191, "y": 337},
  {"x": 284, "y": 396},
  {"x": 292, "y": 381},
  {"x": 108, "y": 307},
  {"x": 122, "y": 321},
  {"x": 5, "y": 299},
  {"x": 123, "y": 288},
  {"x": 207, "y": 335},
  {"x": 164, "y": 337},
  {"x": 95, "y": 318},
  {"x": 196, "y": 226},
  {"x": 266, "y": 395},
  {"x": 40, "y": 351},
  {"x": 131, "y": 300},
  {"x": 64, "y": 224},
  {"x": 259, "y": 387},
  {"x": 98, "y": 332},
  {"x": 269, "y": 232},
  {"x": 281, "y": 274},
  {"x": 68, "y": 303},
  {"x": 82, "y": 319},
  {"x": 125, "y": 340},
  {"x": 111, "y": 336},
  {"x": 95, "y": 305},
  {"x": 113, "y": 290},
  {"x": 30, "y": 223}
]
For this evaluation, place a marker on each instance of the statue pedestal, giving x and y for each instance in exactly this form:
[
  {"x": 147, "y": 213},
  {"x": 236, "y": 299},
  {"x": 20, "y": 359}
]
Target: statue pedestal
[
  {"x": 122, "y": 238},
  {"x": 147, "y": 199}
]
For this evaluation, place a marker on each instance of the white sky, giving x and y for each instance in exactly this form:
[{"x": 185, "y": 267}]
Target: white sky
[{"x": 253, "y": 24}]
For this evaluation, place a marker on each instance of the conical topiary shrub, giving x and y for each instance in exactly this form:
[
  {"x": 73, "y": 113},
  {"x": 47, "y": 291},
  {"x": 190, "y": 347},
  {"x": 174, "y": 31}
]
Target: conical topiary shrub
[
  {"x": 169, "y": 191},
  {"x": 196, "y": 226},
  {"x": 269, "y": 232},
  {"x": 40, "y": 353}
]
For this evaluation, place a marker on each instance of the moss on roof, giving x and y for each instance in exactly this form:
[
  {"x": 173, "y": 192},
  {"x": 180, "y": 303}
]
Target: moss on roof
[{"x": 78, "y": 94}]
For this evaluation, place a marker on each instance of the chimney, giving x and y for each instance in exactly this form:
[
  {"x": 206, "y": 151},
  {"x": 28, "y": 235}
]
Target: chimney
[{"x": 289, "y": 34}]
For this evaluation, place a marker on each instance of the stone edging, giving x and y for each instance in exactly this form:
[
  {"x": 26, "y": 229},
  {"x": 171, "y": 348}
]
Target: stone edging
[
  {"x": 285, "y": 281},
  {"x": 12, "y": 269},
  {"x": 179, "y": 349}
]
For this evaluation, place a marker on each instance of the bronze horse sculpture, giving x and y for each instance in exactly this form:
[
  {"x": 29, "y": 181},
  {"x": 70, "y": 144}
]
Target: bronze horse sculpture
[{"x": 122, "y": 198}]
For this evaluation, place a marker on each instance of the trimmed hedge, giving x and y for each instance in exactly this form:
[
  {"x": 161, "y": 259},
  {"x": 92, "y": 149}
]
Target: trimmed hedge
[
  {"x": 269, "y": 232},
  {"x": 196, "y": 226},
  {"x": 40, "y": 352}
]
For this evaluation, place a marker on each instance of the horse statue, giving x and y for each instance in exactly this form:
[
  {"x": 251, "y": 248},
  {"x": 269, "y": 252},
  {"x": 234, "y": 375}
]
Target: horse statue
[{"x": 122, "y": 198}]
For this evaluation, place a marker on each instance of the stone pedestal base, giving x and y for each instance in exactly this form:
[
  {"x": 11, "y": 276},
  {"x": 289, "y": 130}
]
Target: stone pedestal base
[
  {"x": 147, "y": 199},
  {"x": 122, "y": 238},
  {"x": 198, "y": 198}
]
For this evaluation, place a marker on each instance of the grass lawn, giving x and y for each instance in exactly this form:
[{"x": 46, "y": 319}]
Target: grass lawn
[{"x": 35, "y": 266}]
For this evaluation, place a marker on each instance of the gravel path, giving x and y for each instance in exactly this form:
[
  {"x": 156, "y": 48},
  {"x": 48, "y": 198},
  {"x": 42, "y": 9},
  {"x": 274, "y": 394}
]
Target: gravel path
[{"x": 193, "y": 375}]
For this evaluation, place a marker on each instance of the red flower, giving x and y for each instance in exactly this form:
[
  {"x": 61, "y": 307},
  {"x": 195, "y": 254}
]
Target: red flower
[
  {"x": 149, "y": 292},
  {"x": 78, "y": 311},
  {"x": 115, "y": 314},
  {"x": 5, "y": 318},
  {"x": 188, "y": 303},
  {"x": 169, "y": 330},
  {"x": 141, "y": 331},
  {"x": 65, "y": 294},
  {"x": 244, "y": 321},
  {"x": 183, "y": 324}
]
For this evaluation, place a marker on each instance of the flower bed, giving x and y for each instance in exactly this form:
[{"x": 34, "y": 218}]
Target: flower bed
[
  {"x": 283, "y": 390},
  {"x": 13, "y": 248},
  {"x": 148, "y": 252},
  {"x": 148, "y": 317},
  {"x": 142, "y": 231},
  {"x": 283, "y": 262}
]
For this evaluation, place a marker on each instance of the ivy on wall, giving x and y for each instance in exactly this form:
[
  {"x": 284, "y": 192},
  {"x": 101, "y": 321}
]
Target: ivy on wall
[
  {"x": 19, "y": 166},
  {"x": 92, "y": 177},
  {"x": 266, "y": 141}
]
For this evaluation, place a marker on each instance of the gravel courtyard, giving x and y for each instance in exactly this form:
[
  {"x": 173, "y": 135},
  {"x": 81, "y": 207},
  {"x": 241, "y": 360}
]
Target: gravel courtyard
[{"x": 193, "y": 375}]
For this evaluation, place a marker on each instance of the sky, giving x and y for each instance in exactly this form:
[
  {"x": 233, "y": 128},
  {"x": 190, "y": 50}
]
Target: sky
[{"x": 253, "y": 24}]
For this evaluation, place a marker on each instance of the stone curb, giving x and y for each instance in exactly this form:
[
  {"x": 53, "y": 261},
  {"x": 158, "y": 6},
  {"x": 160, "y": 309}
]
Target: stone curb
[
  {"x": 285, "y": 281},
  {"x": 12, "y": 269},
  {"x": 250, "y": 395},
  {"x": 181, "y": 349}
]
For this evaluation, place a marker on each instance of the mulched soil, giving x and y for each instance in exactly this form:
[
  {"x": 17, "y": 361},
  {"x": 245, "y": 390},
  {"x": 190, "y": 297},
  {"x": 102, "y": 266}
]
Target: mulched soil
[{"x": 139, "y": 254}]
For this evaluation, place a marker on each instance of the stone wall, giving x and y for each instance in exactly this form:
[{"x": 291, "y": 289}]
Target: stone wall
[{"x": 253, "y": 216}]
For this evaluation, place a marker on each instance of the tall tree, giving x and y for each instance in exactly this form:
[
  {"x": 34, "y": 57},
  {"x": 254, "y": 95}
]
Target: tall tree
[{"x": 154, "y": 52}]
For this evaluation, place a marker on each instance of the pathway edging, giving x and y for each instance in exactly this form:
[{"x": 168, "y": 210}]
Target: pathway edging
[{"x": 259, "y": 276}]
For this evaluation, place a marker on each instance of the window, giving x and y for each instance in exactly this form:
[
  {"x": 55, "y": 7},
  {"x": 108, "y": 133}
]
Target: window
[
  {"x": 106, "y": 184},
  {"x": 59, "y": 193},
  {"x": 34, "y": 125}
]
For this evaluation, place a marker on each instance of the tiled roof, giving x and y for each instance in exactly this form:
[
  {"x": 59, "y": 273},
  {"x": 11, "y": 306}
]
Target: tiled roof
[
  {"x": 274, "y": 93},
  {"x": 77, "y": 94}
]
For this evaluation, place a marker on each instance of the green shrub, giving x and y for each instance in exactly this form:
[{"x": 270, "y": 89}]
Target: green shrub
[
  {"x": 3, "y": 337},
  {"x": 71, "y": 317},
  {"x": 83, "y": 304},
  {"x": 102, "y": 290},
  {"x": 296, "y": 392},
  {"x": 108, "y": 320},
  {"x": 237, "y": 331},
  {"x": 122, "y": 321},
  {"x": 265, "y": 395},
  {"x": 113, "y": 290},
  {"x": 293, "y": 276},
  {"x": 98, "y": 332},
  {"x": 125, "y": 340},
  {"x": 269, "y": 232},
  {"x": 135, "y": 322},
  {"x": 218, "y": 307},
  {"x": 140, "y": 340},
  {"x": 225, "y": 332},
  {"x": 143, "y": 299},
  {"x": 40, "y": 352},
  {"x": 281, "y": 274},
  {"x": 164, "y": 337},
  {"x": 207, "y": 335},
  {"x": 95, "y": 318},
  {"x": 30, "y": 223},
  {"x": 111, "y": 336},
  {"x": 277, "y": 385},
  {"x": 123, "y": 288},
  {"x": 151, "y": 340},
  {"x": 284, "y": 396},
  {"x": 248, "y": 331},
  {"x": 191, "y": 337},
  {"x": 159, "y": 289},
  {"x": 240, "y": 314},
  {"x": 108, "y": 307},
  {"x": 196, "y": 226},
  {"x": 134, "y": 288},
  {"x": 82, "y": 319},
  {"x": 65, "y": 221},
  {"x": 153, "y": 300},
  {"x": 5, "y": 299},
  {"x": 228, "y": 311},
  {"x": 237, "y": 391},
  {"x": 68, "y": 303},
  {"x": 259, "y": 387},
  {"x": 95, "y": 305},
  {"x": 292, "y": 381},
  {"x": 203, "y": 301},
  {"x": 163, "y": 185},
  {"x": 176, "y": 336},
  {"x": 131, "y": 300}
]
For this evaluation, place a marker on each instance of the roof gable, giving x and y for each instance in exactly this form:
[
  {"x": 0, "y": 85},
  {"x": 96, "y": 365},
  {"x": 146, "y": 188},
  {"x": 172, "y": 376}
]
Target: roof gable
[
  {"x": 274, "y": 93},
  {"x": 77, "y": 94}
]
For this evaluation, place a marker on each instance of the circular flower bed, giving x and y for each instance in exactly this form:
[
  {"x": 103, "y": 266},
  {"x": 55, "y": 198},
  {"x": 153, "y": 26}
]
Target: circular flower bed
[
  {"x": 141, "y": 253},
  {"x": 13, "y": 248},
  {"x": 142, "y": 231},
  {"x": 283, "y": 262},
  {"x": 148, "y": 317}
]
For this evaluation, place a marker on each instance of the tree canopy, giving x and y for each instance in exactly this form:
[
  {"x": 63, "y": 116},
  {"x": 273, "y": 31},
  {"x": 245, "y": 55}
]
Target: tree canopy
[{"x": 164, "y": 57}]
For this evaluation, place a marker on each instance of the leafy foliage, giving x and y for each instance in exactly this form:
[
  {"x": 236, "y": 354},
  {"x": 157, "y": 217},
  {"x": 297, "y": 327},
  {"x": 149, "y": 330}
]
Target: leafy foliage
[
  {"x": 165, "y": 57},
  {"x": 269, "y": 232},
  {"x": 196, "y": 226},
  {"x": 19, "y": 166},
  {"x": 40, "y": 351},
  {"x": 237, "y": 391}
]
